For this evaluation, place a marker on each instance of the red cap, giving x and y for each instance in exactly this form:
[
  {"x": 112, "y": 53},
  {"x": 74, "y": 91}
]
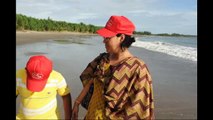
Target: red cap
[
  {"x": 115, "y": 25},
  {"x": 38, "y": 70}
]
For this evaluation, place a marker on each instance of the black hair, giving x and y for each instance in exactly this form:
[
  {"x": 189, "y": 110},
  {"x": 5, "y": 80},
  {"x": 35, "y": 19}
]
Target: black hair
[{"x": 127, "y": 41}]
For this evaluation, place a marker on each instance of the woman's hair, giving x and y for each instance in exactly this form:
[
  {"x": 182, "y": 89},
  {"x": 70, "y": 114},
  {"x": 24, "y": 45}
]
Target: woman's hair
[{"x": 127, "y": 41}]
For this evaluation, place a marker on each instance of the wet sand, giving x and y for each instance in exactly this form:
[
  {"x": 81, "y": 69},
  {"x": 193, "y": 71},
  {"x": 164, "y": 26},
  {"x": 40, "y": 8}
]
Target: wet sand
[
  {"x": 23, "y": 37},
  {"x": 174, "y": 79}
]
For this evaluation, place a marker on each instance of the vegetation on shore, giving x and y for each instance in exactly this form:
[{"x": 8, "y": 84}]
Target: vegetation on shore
[{"x": 24, "y": 22}]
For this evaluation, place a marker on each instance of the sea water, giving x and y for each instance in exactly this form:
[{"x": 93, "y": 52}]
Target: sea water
[{"x": 184, "y": 47}]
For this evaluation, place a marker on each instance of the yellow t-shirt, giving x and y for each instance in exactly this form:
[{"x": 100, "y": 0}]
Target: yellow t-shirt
[{"x": 40, "y": 105}]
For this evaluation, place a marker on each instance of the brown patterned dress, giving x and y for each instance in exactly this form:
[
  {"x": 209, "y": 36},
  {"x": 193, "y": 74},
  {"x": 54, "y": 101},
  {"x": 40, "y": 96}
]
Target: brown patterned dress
[{"x": 123, "y": 91}]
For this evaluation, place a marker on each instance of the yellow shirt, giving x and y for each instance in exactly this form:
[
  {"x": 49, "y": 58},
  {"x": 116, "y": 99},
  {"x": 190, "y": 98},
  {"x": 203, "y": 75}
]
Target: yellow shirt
[{"x": 40, "y": 105}]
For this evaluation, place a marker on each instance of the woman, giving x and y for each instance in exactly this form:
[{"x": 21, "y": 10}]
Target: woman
[{"x": 122, "y": 83}]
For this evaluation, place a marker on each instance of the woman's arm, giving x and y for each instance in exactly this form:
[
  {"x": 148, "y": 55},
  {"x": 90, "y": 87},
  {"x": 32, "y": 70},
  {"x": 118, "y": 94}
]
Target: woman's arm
[{"x": 79, "y": 99}]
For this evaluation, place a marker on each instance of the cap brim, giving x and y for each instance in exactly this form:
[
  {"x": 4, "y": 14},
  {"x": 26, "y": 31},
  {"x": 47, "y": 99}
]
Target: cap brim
[
  {"x": 105, "y": 32},
  {"x": 35, "y": 85}
]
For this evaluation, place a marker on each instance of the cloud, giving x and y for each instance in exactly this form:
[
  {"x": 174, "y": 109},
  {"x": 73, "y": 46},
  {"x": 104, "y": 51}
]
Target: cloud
[
  {"x": 155, "y": 16},
  {"x": 83, "y": 16}
]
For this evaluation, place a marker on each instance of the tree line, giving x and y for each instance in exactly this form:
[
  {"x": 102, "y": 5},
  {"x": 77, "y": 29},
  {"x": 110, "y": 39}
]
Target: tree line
[{"x": 24, "y": 22}]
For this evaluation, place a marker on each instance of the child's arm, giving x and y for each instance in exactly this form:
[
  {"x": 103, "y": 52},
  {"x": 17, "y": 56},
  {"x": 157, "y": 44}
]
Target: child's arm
[{"x": 67, "y": 100}]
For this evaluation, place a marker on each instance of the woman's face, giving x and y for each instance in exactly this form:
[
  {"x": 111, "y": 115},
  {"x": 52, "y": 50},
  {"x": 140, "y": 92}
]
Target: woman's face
[{"x": 112, "y": 44}]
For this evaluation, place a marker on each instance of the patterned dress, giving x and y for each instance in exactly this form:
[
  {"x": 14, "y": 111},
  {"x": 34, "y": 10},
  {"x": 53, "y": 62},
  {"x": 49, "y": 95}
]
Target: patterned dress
[
  {"x": 97, "y": 104},
  {"x": 120, "y": 92}
]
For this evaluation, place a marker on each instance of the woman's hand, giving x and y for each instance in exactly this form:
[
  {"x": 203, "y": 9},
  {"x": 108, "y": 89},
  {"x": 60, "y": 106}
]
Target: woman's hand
[
  {"x": 75, "y": 111},
  {"x": 79, "y": 99}
]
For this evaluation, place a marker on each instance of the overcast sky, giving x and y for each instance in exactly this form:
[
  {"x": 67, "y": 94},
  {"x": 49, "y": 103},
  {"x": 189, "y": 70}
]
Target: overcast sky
[{"x": 155, "y": 16}]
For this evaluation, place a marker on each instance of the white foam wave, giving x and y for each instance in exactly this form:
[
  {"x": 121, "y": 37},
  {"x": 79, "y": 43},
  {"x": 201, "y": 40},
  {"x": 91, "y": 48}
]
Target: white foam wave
[{"x": 171, "y": 49}]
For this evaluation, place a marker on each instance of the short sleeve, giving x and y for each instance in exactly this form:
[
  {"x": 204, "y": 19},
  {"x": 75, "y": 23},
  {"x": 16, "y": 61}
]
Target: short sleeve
[{"x": 62, "y": 87}]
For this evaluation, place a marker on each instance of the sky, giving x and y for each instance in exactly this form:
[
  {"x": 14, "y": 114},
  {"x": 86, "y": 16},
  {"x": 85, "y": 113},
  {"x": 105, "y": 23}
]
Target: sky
[{"x": 155, "y": 16}]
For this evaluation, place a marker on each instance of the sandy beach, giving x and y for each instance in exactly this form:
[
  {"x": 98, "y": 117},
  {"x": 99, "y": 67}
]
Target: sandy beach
[
  {"x": 174, "y": 79},
  {"x": 23, "y": 37}
]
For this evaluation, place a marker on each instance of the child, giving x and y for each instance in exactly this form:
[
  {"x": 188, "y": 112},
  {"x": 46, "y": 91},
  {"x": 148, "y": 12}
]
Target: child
[{"x": 38, "y": 86}]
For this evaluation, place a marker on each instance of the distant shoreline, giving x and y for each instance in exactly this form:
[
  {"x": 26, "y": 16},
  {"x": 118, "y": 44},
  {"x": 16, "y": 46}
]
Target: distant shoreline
[{"x": 27, "y": 36}]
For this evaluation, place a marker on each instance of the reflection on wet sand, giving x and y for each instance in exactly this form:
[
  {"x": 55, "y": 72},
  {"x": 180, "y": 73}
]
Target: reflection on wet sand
[
  {"x": 70, "y": 41},
  {"x": 34, "y": 53}
]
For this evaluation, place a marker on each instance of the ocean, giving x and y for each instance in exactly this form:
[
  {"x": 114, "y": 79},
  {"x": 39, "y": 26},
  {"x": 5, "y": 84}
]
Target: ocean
[{"x": 184, "y": 47}]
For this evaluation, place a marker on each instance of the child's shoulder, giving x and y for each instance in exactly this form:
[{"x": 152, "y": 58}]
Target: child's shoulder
[{"x": 55, "y": 75}]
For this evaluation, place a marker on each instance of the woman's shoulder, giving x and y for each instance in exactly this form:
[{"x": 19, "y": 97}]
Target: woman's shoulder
[
  {"x": 102, "y": 55},
  {"x": 135, "y": 60},
  {"x": 137, "y": 63}
]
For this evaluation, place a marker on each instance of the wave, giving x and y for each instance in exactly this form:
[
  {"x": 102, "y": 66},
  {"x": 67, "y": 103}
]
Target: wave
[{"x": 189, "y": 53}]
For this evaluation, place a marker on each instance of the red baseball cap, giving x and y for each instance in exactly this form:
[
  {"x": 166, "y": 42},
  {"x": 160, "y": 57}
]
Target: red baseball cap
[
  {"x": 115, "y": 25},
  {"x": 38, "y": 70}
]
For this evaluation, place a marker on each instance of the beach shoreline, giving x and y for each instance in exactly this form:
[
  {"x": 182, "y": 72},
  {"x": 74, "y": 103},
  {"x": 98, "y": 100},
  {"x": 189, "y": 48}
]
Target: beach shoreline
[{"x": 24, "y": 37}]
